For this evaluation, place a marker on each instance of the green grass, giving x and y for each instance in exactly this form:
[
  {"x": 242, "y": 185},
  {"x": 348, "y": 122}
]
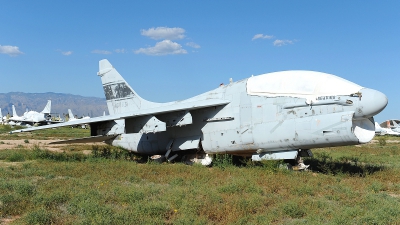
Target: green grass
[
  {"x": 347, "y": 185},
  {"x": 64, "y": 188},
  {"x": 47, "y": 134}
]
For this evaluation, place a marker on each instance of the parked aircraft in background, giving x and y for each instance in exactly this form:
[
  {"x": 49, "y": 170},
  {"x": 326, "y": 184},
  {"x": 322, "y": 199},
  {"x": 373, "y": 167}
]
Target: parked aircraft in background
[
  {"x": 280, "y": 115},
  {"x": 385, "y": 131},
  {"x": 15, "y": 119},
  {"x": 1, "y": 117},
  {"x": 391, "y": 125},
  {"x": 395, "y": 126},
  {"x": 71, "y": 117},
  {"x": 33, "y": 117}
]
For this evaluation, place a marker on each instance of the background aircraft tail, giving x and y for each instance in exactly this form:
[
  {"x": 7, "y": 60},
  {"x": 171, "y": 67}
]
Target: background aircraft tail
[
  {"x": 1, "y": 115},
  {"x": 14, "y": 111},
  {"x": 70, "y": 115},
  {"x": 47, "y": 108},
  {"x": 121, "y": 98}
]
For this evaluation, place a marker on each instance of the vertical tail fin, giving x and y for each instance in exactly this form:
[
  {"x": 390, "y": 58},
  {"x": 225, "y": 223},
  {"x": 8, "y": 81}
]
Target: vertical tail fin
[
  {"x": 47, "y": 108},
  {"x": 70, "y": 115},
  {"x": 120, "y": 96},
  {"x": 1, "y": 115},
  {"x": 14, "y": 111}
]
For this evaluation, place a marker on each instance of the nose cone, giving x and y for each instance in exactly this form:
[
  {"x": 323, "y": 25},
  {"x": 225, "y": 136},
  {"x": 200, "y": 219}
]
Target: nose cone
[{"x": 372, "y": 102}]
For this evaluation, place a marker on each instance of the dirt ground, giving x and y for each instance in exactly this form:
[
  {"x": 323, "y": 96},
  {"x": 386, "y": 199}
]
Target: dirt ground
[{"x": 11, "y": 144}]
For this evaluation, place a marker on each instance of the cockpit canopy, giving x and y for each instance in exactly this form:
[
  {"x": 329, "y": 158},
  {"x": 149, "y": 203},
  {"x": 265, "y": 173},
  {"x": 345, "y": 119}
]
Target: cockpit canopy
[{"x": 301, "y": 84}]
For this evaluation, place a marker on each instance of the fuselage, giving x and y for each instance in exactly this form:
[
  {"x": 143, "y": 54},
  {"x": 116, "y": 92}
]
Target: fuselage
[{"x": 284, "y": 117}]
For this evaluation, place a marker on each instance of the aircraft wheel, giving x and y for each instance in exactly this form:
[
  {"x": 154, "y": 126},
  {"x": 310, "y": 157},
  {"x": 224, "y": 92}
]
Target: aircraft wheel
[{"x": 158, "y": 158}]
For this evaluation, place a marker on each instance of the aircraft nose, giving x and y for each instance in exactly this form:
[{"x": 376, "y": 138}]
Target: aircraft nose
[{"x": 371, "y": 103}]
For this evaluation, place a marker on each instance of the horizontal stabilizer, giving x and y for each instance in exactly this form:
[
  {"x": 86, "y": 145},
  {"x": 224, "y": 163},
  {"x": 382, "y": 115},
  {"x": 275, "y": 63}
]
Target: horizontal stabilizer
[{"x": 99, "y": 138}]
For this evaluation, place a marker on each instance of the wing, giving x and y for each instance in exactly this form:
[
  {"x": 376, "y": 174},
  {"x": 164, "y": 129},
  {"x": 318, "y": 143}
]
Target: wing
[
  {"x": 16, "y": 119},
  {"x": 32, "y": 122},
  {"x": 175, "y": 107}
]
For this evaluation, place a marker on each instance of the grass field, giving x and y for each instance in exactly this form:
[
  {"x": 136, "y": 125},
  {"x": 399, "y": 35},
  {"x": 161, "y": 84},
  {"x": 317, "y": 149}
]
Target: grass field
[
  {"x": 48, "y": 134},
  {"x": 346, "y": 185}
]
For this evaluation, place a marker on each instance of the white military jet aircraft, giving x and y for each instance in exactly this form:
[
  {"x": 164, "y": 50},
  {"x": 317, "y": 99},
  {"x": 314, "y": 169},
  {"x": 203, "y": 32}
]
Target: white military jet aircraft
[
  {"x": 390, "y": 127},
  {"x": 71, "y": 117},
  {"x": 392, "y": 124},
  {"x": 33, "y": 117},
  {"x": 15, "y": 119},
  {"x": 280, "y": 115},
  {"x": 385, "y": 131}
]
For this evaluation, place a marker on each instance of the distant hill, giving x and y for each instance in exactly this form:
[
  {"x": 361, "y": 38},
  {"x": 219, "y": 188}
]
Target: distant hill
[{"x": 60, "y": 103}]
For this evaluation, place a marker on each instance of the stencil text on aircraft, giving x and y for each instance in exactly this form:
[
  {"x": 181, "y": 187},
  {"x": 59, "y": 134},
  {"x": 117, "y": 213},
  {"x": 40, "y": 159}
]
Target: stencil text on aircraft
[{"x": 119, "y": 90}]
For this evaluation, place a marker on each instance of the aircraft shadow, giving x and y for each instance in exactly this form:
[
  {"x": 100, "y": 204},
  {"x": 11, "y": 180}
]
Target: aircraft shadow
[{"x": 327, "y": 165}]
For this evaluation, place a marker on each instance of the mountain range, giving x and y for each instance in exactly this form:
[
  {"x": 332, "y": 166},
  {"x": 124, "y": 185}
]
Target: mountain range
[{"x": 60, "y": 103}]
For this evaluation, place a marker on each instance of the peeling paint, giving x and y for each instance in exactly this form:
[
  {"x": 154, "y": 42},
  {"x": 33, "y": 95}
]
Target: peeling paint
[{"x": 118, "y": 90}]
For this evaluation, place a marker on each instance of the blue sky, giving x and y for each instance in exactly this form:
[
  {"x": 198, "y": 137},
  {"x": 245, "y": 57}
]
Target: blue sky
[{"x": 172, "y": 50}]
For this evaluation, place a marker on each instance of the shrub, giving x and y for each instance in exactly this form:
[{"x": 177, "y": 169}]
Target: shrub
[
  {"x": 376, "y": 187},
  {"x": 24, "y": 188},
  {"x": 382, "y": 141},
  {"x": 116, "y": 153},
  {"x": 222, "y": 161},
  {"x": 10, "y": 204},
  {"x": 5, "y": 128},
  {"x": 273, "y": 165},
  {"x": 40, "y": 216},
  {"x": 38, "y": 153},
  {"x": 294, "y": 210},
  {"x": 16, "y": 157}
]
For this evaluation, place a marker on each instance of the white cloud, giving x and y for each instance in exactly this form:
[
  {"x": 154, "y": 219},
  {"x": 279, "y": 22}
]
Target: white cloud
[
  {"x": 10, "y": 50},
  {"x": 193, "y": 45},
  {"x": 67, "y": 53},
  {"x": 282, "y": 42},
  {"x": 120, "y": 50},
  {"x": 164, "y": 47},
  {"x": 261, "y": 36},
  {"x": 164, "y": 33},
  {"x": 104, "y": 52}
]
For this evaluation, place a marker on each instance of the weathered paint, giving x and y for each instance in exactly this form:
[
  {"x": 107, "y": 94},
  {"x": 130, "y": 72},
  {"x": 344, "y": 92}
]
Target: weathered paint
[{"x": 241, "y": 118}]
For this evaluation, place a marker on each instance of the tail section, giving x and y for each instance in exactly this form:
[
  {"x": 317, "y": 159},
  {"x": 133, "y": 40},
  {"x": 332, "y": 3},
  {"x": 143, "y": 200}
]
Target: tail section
[
  {"x": 379, "y": 129},
  {"x": 70, "y": 115},
  {"x": 1, "y": 115},
  {"x": 47, "y": 108},
  {"x": 120, "y": 96},
  {"x": 395, "y": 124},
  {"x": 14, "y": 111}
]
